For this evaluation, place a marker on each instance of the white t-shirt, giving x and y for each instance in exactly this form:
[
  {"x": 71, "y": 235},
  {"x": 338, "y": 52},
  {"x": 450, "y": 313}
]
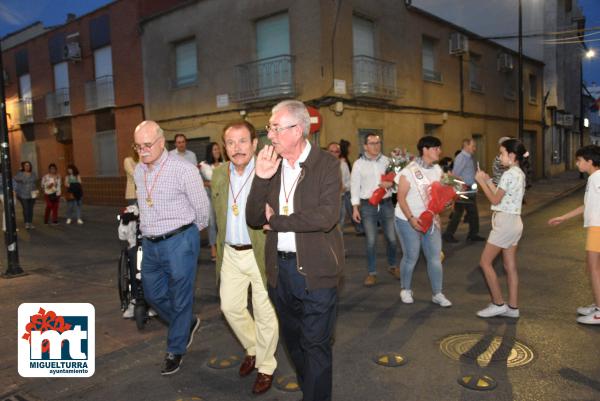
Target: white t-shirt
[
  {"x": 414, "y": 199},
  {"x": 591, "y": 201},
  {"x": 513, "y": 184}
]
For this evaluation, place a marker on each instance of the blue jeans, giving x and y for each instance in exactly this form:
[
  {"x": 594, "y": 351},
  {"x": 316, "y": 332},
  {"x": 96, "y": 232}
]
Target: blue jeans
[
  {"x": 74, "y": 209},
  {"x": 306, "y": 318},
  {"x": 346, "y": 209},
  {"x": 370, "y": 216},
  {"x": 411, "y": 241},
  {"x": 168, "y": 277}
]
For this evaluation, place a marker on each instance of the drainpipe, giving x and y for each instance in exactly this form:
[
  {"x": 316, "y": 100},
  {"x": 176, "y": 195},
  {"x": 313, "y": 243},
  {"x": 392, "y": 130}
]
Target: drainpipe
[{"x": 461, "y": 75}]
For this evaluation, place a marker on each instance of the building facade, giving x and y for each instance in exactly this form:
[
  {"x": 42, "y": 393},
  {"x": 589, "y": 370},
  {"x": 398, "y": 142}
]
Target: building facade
[
  {"x": 552, "y": 30},
  {"x": 75, "y": 93},
  {"x": 366, "y": 66}
]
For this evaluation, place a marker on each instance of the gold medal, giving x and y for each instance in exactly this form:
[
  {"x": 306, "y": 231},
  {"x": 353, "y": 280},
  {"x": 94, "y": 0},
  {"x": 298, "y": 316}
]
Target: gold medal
[
  {"x": 149, "y": 202},
  {"x": 235, "y": 209},
  {"x": 285, "y": 210}
]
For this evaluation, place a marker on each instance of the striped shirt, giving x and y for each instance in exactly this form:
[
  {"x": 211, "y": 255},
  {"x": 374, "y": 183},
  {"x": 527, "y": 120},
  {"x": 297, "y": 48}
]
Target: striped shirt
[{"x": 177, "y": 194}]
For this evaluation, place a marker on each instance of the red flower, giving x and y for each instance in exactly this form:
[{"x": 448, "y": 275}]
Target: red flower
[
  {"x": 379, "y": 193},
  {"x": 440, "y": 196}
]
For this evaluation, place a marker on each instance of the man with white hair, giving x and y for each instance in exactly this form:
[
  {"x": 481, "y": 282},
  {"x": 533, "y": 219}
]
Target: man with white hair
[
  {"x": 295, "y": 196},
  {"x": 173, "y": 209}
]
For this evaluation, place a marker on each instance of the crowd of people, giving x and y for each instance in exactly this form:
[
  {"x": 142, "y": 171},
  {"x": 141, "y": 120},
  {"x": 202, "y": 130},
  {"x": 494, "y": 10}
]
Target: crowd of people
[{"x": 279, "y": 219}]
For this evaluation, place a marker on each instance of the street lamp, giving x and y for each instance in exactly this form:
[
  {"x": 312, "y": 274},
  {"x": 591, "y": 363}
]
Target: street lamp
[
  {"x": 591, "y": 53},
  {"x": 520, "y": 71}
]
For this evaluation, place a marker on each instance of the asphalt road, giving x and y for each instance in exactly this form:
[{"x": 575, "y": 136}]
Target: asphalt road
[{"x": 80, "y": 266}]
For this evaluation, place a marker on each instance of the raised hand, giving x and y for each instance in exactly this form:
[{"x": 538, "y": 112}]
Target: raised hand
[
  {"x": 267, "y": 162},
  {"x": 481, "y": 176}
]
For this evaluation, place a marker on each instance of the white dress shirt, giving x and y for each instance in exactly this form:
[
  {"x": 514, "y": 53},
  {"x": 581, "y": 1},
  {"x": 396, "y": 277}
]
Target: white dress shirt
[
  {"x": 286, "y": 241},
  {"x": 366, "y": 177}
]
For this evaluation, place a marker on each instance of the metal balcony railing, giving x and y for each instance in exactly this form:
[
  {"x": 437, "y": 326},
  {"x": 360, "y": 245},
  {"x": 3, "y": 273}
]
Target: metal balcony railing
[
  {"x": 25, "y": 110},
  {"x": 99, "y": 93},
  {"x": 58, "y": 103},
  {"x": 432, "y": 75},
  {"x": 374, "y": 78},
  {"x": 265, "y": 79}
]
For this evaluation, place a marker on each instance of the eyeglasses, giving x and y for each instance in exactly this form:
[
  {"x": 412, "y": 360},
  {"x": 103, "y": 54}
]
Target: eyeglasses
[
  {"x": 374, "y": 143},
  {"x": 138, "y": 148},
  {"x": 278, "y": 130}
]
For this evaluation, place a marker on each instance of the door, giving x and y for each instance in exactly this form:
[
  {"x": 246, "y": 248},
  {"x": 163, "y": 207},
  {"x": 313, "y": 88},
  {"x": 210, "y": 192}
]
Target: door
[
  {"x": 61, "y": 87},
  {"x": 103, "y": 72},
  {"x": 272, "y": 40}
]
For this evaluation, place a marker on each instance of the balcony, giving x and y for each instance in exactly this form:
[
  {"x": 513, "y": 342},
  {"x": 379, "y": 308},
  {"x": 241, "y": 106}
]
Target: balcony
[
  {"x": 58, "y": 103},
  {"x": 25, "y": 111},
  {"x": 266, "y": 79},
  {"x": 99, "y": 93},
  {"x": 373, "y": 78}
]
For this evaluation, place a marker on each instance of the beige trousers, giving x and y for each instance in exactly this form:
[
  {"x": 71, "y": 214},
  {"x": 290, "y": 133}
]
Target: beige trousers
[{"x": 258, "y": 336}]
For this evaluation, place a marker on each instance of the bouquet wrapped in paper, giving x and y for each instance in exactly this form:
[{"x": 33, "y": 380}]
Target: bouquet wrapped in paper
[
  {"x": 441, "y": 194},
  {"x": 399, "y": 158}
]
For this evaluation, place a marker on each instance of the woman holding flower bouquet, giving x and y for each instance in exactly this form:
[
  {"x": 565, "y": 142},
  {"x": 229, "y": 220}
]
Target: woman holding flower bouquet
[
  {"x": 507, "y": 227},
  {"x": 414, "y": 182}
]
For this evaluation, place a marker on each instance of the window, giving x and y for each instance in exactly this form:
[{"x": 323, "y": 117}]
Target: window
[
  {"x": 475, "y": 73},
  {"x": 509, "y": 86},
  {"x": 532, "y": 88},
  {"x": 61, "y": 75},
  {"x": 272, "y": 36},
  {"x": 105, "y": 147},
  {"x": 363, "y": 37},
  {"x": 431, "y": 130},
  {"x": 25, "y": 86},
  {"x": 186, "y": 63},
  {"x": 430, "y": 71},
  {"x": 103, "y": 62}
]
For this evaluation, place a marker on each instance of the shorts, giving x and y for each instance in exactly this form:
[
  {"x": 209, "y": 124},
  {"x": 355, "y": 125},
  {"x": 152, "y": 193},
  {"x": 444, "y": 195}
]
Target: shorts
[
  {"x": 506, "y": 230},
  {"x": 592, "y": 243}
]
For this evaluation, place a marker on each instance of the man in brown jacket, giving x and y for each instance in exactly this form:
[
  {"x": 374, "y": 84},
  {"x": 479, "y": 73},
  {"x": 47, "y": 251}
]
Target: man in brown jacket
[{"x": 295, "y": 197}]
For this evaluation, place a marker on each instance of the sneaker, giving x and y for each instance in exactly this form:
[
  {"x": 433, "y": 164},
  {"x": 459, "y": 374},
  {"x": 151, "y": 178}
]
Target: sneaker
[
  {"x": 592, "y": 318},
  {"x": 79, "y": 221},
  {"x": 586, "y": 310},
  {"x": 441, "y": 300},
  {"x": 152, "y": 312},
  {"x": 128, "y": 314},
  {"x": 511, "y": 312},
  {"x": 406, "y": 296},
  {"x": 370, "y": 280},
  {"x": 193, "y": 330},
  {"x": 68, "y": 221},
  {"x": 26, "y": 226},
  {"x": 493, "y": 310},
  {"x": 394, "y": 271},
  {"x": 171, "y": 364}
]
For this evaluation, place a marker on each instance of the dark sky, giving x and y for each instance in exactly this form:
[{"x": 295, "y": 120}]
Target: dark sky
[{"x": 16, "y": 14}]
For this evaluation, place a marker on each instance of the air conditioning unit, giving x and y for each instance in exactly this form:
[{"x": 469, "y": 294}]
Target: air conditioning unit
[
  {"x": 459, "y": 43},
  {"x": 505, "y": 62},
  {"x": 72, "y": 51}
]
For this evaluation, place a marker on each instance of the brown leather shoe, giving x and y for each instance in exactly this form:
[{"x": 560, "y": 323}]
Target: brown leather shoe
[
  {"x": 262, "y": 383},
  {"x": 394, "y": 271},
  {"x": 370, "y": 280},
  {"x": 248, "y": 365}
]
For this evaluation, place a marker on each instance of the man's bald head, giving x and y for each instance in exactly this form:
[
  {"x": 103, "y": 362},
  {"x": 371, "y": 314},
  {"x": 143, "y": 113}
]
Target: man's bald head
[{"x": 149, "y": 140}]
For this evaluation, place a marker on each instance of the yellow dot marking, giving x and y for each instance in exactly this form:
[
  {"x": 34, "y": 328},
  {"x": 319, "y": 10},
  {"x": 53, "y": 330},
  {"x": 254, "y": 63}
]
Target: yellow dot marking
[
  {"x": 384, "y": 359},
  {"x": 225, "y": 363},
  {"x": 291, "y": 386},
  {"x": 466, "y": 379},
  {"x": 482, "y": 383}
]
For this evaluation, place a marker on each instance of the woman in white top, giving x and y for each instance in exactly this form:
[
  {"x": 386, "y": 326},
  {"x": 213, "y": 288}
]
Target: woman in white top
[
  {"x": 51, "y": 186},
  {"x": 213, "y": 160},
  {"x": 413, "y": 197},
  {"x": 507, "y": 227}
]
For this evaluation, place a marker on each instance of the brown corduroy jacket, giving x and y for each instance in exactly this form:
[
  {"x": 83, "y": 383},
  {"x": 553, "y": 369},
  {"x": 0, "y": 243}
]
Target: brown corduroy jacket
[{"x": 319, "y": 243}]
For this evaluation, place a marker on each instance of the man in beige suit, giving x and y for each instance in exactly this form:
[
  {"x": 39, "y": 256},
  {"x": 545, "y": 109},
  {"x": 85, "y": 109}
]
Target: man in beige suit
[{"x": 240, "y": 257}]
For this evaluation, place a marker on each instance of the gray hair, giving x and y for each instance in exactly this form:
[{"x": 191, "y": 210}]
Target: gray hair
[{"x": 297, "y": 109}]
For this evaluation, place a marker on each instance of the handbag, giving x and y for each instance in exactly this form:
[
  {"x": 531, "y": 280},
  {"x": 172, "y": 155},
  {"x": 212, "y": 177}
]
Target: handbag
[{"x": 34, "y": 194}]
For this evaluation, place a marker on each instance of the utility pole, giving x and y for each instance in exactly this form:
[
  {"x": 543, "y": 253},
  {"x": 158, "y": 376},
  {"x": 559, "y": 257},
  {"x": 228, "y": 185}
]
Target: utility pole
[
  {"x": 520, "y": 72},
  {"x": 10, "y": 238}
]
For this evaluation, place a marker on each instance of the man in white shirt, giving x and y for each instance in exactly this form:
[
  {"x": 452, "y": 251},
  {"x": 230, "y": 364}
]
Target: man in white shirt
[
  {"x": 364, "y": 180},
  {"x": 181, "y": 151}
]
